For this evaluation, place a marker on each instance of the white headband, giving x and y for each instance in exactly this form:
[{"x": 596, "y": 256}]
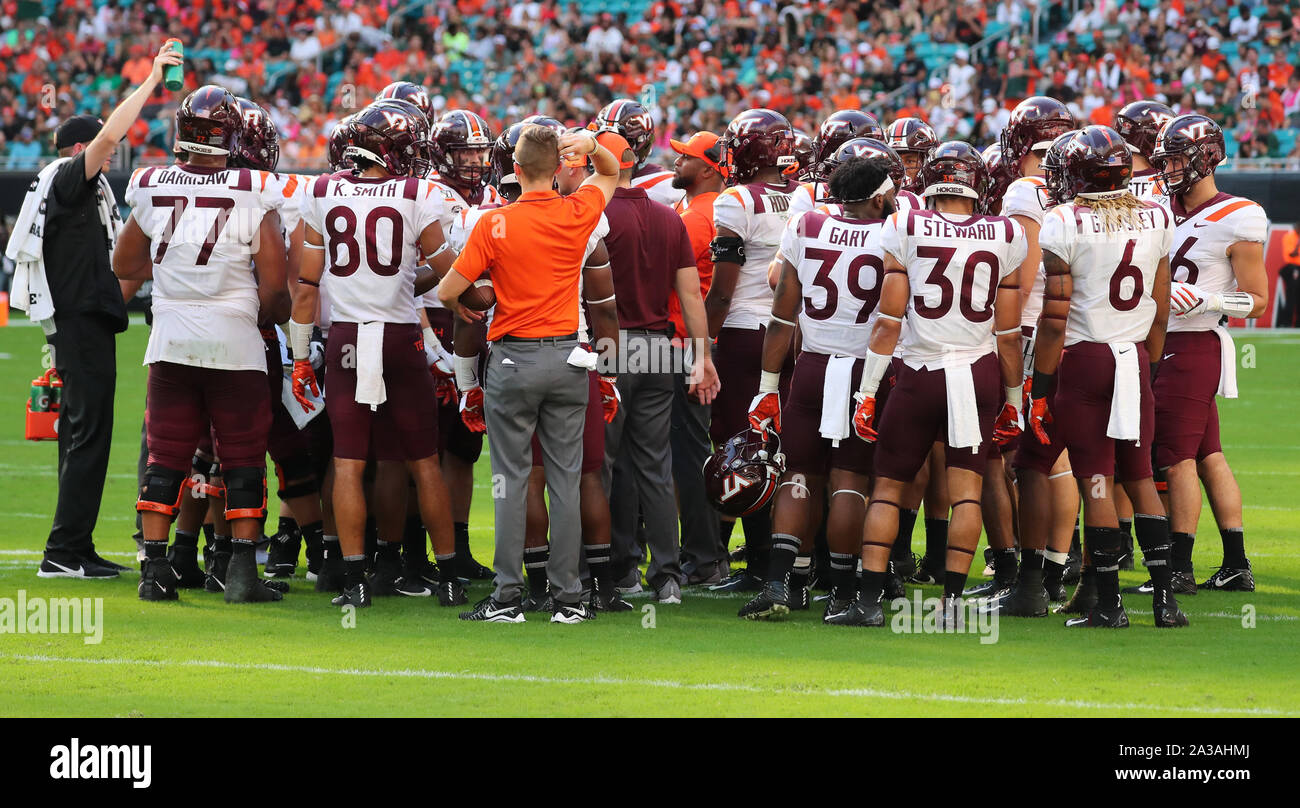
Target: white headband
[{"x": 884, "y": 188}]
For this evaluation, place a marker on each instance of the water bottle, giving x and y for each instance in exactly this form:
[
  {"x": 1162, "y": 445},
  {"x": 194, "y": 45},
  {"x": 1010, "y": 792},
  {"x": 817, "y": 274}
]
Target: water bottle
[{"x": 174, "y": 75}]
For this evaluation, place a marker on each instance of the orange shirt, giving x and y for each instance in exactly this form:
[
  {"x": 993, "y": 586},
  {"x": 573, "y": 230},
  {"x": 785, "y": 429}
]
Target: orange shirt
[
  {"x": 534, "y": 248},
  {"x": 698, "y": 218},
  {"x": 1291, "y": 247}
]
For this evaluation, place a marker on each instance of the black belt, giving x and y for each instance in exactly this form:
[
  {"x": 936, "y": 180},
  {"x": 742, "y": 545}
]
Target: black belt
[
  {"x": 652, "y": 332},
  {"x": 539, "y": 340}
]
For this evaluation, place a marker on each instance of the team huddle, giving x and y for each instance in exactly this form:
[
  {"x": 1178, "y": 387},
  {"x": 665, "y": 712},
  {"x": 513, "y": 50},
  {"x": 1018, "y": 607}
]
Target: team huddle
[{"x": 882, "y": 322}]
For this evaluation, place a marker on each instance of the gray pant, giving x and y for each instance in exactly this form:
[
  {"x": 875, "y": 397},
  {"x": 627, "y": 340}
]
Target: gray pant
[
  {"x": 638, "y": 453},
  {"x": 530, "y": 387},
  {"x": 701, "y": 542}
]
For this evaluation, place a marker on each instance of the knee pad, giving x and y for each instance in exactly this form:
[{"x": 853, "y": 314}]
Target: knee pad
[
  {"x": 161, "y": 492},
  {"x": 245, "y": 493},
  {"x": 297, "y": 477}
]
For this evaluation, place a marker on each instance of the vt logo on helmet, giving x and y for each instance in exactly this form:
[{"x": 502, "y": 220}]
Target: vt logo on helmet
[
  {"x": 743, "y": 474},
  {"x": 757, "y": 139}
]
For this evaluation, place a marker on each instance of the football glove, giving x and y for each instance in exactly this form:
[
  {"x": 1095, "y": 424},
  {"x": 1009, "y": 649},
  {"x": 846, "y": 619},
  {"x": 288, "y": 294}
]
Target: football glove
[
  {"x": 1039, "y": 418},
  {"x": 863, "y": 416},
  {"x": 765, "y": 413},
  {"x": 471, "y": 409},
  {"x": 1185, "y": 299},
  {"x": 304, "y": 378},
  {"x": 609, "y": 397},
  {"x": 1008, "y": 424}
]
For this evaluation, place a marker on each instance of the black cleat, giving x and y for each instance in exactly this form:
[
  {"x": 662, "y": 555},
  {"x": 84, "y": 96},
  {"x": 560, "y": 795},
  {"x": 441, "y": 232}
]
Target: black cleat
[
  {"x": 357, "y": 595},
  {"x": 216, "y": 580},
  {"x": 906, "y": 567},
  {"x": 384, "y": 577},
  {"x": 282, "y": 554},
  {"x": 1073, "y": 566},
  {"x": 184, "y": 562},
  {"x": 1021, "y": 600},
  {"x": 739, "y": 581},
  {"x": 1055, "y": 590},
  {"x": 1084, "y": 599},
  {"x": 1165, "y": 608},
  {"x": 1229, "y": 579},
  {"x": 243, "y": 585},
  {"x": 412, "y": 585},
  {"x": 611, "y": 602},
  {"x": 488, "y": 610},
  {"x": 928, "y": 573},
  {"x": 332, "y": 576},
  {"x": 837, "y": 610},
  {"x": 158, "y": 581},
  {"x": 1100, "y": 618},
  {"x": 469, "y": 569},
  {"x": 992, "y": 588},
  {"x": 1182, "y": 583},
  {"x": 861, "y": 614},
  {"x": 894, "y": 583},
  {"x": 773, "y": 601},
  {"x": 451, "y": 593}
]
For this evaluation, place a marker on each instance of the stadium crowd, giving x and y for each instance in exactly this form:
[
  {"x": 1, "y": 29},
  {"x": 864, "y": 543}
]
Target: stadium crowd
[{"x": 695, "y": 64}]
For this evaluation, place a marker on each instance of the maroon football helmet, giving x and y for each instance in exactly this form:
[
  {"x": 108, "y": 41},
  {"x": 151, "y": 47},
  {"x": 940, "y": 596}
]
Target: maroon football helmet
[
  {"x": 503, "y": 154},
  {"x": 757, "y": 139},
  {"x": 803, "y": 152},
  {"x": 259, "y": 143},
  {"x": 1198, "y": 140},
  {"x": 1053, "y": 191},
  {"x": 1034, "y": 124},
  {"x": 869, "y": 148},
  {"x": 954, "y": 169},
  {"x": 999, "y": 179},
  {"x": 1095, "y": 162},
  {"x": 839, "y": 128},
  {"x": 911, "y": 137},
  {"x": 411, "y": 93},
  {"x": 743, "y": 474},
  {"x": 338, "y": 142},
  {"x": 391, "y": 134},
  {"x": 209, "y": 121},
  {"x": 546, "y": 120},
  {"x": 461, "y": 147},
  {"x": 1139, "y": 123},
  {"x": 631, "y": 120}
]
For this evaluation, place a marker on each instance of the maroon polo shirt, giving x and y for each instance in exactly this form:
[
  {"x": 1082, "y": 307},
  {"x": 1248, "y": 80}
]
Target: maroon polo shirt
[{"x": 647, "y": 244}]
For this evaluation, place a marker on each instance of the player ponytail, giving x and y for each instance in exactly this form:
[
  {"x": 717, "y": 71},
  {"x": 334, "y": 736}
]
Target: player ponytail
[{"x": 1115, "y": 210}]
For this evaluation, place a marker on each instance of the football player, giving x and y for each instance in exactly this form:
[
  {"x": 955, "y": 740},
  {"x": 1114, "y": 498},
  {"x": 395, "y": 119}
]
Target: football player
[
  {"x": 413, "y": 94},
  {"x": 1139, "y": 123},
  {"x": 1217, "y": 265},
  {"x": 838, "y": 128},
  {"x": 831, "y": 269},
  {"x": 1107, "y": 261},
  {"x": 1048, "y": 503},
  {"x": 385, "y": 218},
  {"x": 913, "y": 139},
  {"x": 953, "y": 275},
  {"x": 637, "y": 126},
  {"x": 750, "y": 217},
  {"x": 210, "y": 237}
]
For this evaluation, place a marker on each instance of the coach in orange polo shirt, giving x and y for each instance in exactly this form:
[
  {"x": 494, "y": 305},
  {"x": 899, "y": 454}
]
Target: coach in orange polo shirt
[
  {"x": 536, "y": 378},
  {"x": 698, "y": 171}
]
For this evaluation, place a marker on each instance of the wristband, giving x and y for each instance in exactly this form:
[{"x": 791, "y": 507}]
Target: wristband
[
  {"x": 872, "y": 371},
  {"x": 429, "y": 337},
  {"x": 1235, "y": 304},
  {"x": 299, "y": 339},
  {"x": 1014, "y": 395},
  {"x": 466, "y": 372},
  {"x": 769, "y": 382},
  {"x": 1044, "y": 384}
]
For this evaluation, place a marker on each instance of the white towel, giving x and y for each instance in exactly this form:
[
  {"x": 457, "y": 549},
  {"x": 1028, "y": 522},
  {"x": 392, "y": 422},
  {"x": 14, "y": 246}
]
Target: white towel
[
  {"x": 1227, "y": 363},
  {"x": 31, "y": 289},
  {"x": 1126, "y": 401},
  {"x": 370, "y": 365},
  {"x": 963, "y": 414},
  {"x": 837, "y": 399},
  {"x": 300, "y": 416}
]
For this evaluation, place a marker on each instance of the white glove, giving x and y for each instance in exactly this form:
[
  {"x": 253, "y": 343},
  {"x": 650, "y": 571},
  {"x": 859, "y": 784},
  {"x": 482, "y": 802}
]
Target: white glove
[
  {"x": 439, "y": 358},
  {"x": 316, "y": 354},
  {"x": 1186, "y": 299}
]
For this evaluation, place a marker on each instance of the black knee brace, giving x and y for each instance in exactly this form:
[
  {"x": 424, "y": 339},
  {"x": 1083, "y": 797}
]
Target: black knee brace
[
  {"x": 245, "y": 493},
  {"x": 205, "y": 476},
  {"x": 161, "y": 492}
]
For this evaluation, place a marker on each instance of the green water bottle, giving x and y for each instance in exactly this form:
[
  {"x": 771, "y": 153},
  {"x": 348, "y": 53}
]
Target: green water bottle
[{"x": 174, "y": 75}]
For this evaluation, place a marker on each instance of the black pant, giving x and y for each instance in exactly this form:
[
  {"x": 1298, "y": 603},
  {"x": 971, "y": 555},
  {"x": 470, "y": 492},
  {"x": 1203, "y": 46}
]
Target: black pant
[{"x": 85, "y": 356}]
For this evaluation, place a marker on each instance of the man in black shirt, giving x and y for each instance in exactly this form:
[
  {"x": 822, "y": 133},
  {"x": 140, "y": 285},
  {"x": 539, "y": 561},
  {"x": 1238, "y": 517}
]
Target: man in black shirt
[{"x": 89, "y": 312}]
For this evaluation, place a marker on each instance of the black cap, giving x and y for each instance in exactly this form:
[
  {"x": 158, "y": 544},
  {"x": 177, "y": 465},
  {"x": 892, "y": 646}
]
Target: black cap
[{"x": 79, "y": 129}]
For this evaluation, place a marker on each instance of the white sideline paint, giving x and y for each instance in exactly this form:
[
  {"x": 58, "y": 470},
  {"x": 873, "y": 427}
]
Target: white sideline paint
[{"x": 730, "y": 687}]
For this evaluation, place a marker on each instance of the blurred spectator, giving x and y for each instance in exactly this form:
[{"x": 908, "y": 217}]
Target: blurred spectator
[{"x": 24, "y": 153}]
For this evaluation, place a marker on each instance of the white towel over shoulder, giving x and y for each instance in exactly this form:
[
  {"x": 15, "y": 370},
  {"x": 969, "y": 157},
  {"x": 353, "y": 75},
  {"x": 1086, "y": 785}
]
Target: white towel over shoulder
[
  {"x": 1227, "y": 363},
  {"x": 963, "y": 414},
  {"x": 1126, "y": 401},
  {"x": 837, "y": 398},
  {"x": 370, "y": 365}
]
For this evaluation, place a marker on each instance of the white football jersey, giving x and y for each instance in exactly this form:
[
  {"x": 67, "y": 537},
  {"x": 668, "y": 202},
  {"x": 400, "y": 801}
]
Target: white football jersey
[
  {"x": 954, "y": 266},
  {"x": 293, "y": 187},
  {"x": 657, "y": 182},
  {"x": 906, "y": 200},
  {"x": 452, "y": 205},
  {"x": 805, "y": 198},
  {"x": 1200, "y": 250},
  {"x": 203, "y": 225},
  {"x": 1112, "y": 272},
  {"x": 756, "y": 212},
  {"x": 1023, "y": 199},
  {"x": 840, "y": 267},
  {"x": 371, "y": 228},
  {"x": 1146, "y": 185}
]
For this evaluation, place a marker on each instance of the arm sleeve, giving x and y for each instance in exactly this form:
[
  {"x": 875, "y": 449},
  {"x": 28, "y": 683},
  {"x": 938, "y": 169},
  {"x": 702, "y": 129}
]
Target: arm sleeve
[
  {"x": 477, "y": 255},
  {"x": 70, "y": 183}
]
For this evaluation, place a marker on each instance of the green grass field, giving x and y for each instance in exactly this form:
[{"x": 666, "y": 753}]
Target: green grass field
[{"x": 408, "y": 657}]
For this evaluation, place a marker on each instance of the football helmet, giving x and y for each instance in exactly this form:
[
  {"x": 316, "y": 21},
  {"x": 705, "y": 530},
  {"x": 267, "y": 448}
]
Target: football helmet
[
  {"x": 1139, "y": 123},
  {"x": 954, "y": 169},
  {"x": 546, "y": 120},
  {"x": 1053, "y": 165},
  {"x": 743, "y": 474},
  {"x": 1198, "y": 140},
  {"x": 339, "y": 139},
  {"x": 803, "y": 153},
  {"x": 391, "y": 134},
  {"x": 259, "y": 143},
  {"x": 869, "y": 148},
  {"x": 411, "y": 93},
  {"x": 503, "y": 154},
  {"x": 209, "y": 121},
  {"x": 999, "y": 179},
  {"x": 1034, "y": 124},
  {"x": 757, "y": 139},
  {"x": 1095, "y": 162},
  {"x": 460, "y": 149},
  {"x": 631, "y": 120},
  {"x": 839, "y": 128}
]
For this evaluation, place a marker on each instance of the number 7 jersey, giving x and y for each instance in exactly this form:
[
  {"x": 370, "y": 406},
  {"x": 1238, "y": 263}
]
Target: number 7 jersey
[
  {"x": 954, "y": 267},
  {"x": 371, "y": 229}
]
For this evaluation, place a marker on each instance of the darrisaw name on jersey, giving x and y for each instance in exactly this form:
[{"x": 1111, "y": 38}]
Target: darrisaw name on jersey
[
  {"x": 173, "y": 175},
  {"x": 942, "y": 228}
]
